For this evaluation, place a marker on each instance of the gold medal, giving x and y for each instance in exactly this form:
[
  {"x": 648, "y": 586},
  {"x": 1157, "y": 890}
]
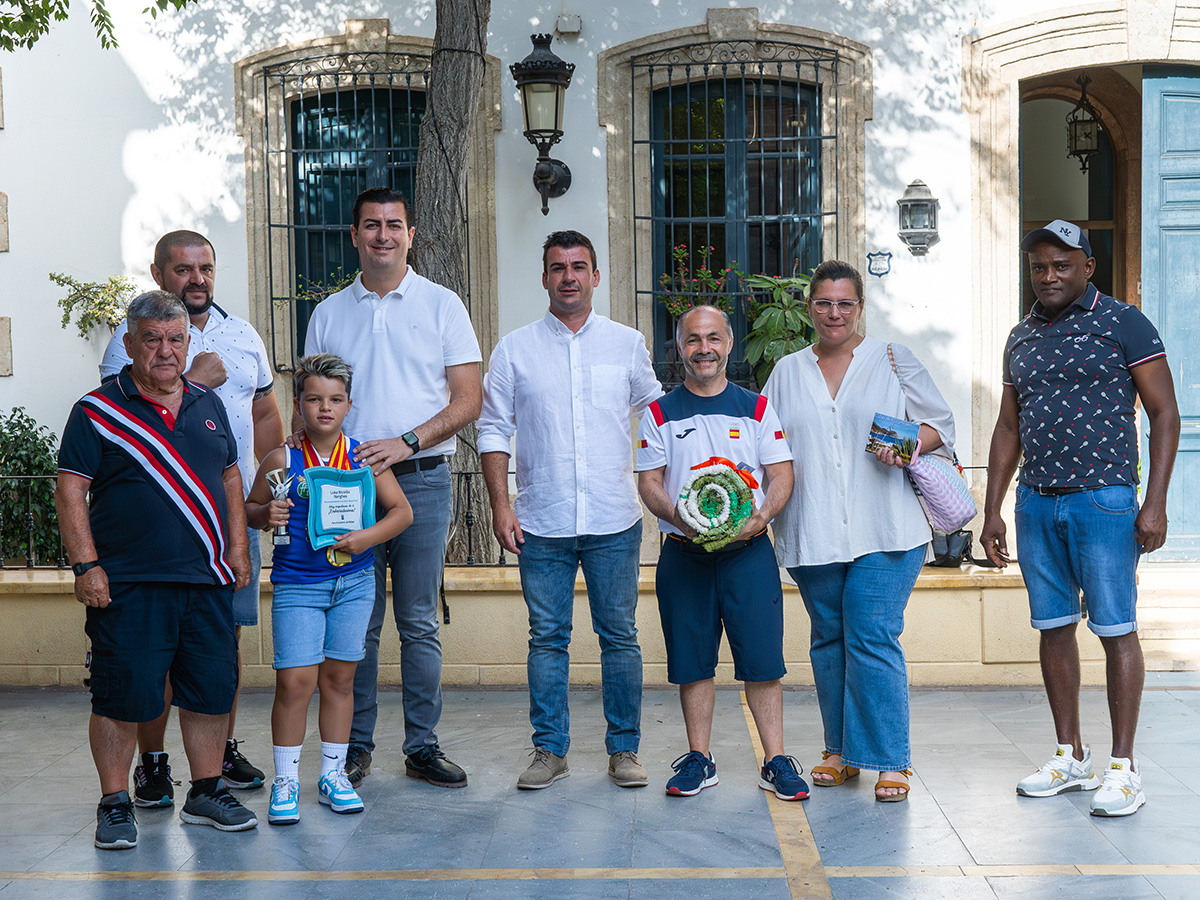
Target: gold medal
[{"x": 337, "y": 557}]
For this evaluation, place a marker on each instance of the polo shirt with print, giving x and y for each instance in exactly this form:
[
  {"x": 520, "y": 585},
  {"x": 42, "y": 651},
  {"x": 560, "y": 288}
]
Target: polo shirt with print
[
  {"x": 157, "y": 509},
  {"x": 399, "y": 347},
  {"x": 1074, "y": 383},
  {"x": 683, "y": 430},
  {"x": 247, "y": 367}
]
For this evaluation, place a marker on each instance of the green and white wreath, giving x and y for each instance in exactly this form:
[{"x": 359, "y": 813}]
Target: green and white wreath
[{"x": 716, "y": 502}]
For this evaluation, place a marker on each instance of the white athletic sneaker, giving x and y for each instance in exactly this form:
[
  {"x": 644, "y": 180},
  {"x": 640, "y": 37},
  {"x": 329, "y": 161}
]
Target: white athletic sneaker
[
  {"x": 1061, "y": 774},
  {"x": 1121, "y": 794}
]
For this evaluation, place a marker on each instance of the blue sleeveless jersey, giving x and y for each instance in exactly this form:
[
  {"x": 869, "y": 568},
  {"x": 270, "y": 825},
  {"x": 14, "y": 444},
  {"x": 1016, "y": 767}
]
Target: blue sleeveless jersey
[{"x": 298, "y": 562}]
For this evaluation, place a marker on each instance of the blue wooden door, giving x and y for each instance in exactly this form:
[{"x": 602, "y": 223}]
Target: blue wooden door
[{"x": 1171, "y": 276}]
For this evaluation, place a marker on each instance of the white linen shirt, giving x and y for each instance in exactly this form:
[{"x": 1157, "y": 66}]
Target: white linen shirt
[
  {"x": 399, "y": 347},
  {"x": 247, "y": 368},
  {"x": 568, "y": 396},
  {"x": 845, "y": 503}
]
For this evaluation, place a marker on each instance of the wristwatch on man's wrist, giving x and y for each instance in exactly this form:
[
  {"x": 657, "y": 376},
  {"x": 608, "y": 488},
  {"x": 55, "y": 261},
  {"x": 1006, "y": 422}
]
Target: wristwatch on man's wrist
[
  {"x": 81, "y": 568},
  {"x": 414, "y": 443}
]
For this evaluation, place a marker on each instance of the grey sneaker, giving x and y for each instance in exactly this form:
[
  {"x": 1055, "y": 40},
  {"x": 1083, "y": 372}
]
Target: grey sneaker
[
  {"x": 545, "y": 769},
  {"x": 218, "y": 808},
  {"x": 626, "y": 771},
  {"x": 116, "y": 824}
]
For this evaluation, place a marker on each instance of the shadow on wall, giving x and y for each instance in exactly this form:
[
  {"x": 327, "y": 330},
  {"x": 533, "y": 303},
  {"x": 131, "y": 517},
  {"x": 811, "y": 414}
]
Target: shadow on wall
[{"x": 184, "y": 60}]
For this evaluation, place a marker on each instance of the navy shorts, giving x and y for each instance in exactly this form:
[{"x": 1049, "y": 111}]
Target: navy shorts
[
  {"x": 700, "y": 593},
  {"x": 154, "y": 630}
]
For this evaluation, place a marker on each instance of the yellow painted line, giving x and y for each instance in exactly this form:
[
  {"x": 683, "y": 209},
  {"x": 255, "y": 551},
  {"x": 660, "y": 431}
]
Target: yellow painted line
[
  {"x": 1007, "y": 871},
  {"x": 401, "y": 875},
  {"x": 801, "y": 858}
]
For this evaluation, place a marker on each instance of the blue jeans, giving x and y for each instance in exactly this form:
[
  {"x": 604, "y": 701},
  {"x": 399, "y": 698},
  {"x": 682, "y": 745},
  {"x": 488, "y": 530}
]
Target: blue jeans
[
  {"x": 1083, "y": 541},
  {"x": 857, "y": 613},
  {"x": 416, "y": 558},
  {"x": 610, "y": 570},
  {"x": 322, "y": 620}
]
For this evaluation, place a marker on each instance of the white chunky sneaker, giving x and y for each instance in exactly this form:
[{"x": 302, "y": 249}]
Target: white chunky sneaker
[
  {"x": 1061, "y": 774},
  {"x": 1121, "y": 794}
]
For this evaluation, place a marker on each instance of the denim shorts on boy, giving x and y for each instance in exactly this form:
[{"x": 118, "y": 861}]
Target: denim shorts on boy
[
  {"x": 1081, "y": 541},
  {"x": 152, "y": 629},
  {"x": 323, "y": 620},
  {"x": 739, "y": 589},
  {"x": 245, "y": 601}
]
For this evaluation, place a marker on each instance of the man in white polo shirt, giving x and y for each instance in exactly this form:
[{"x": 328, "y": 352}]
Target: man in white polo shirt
[
  {"x": 565, "y": 385},
  {"x": 416, "y": 377},
  {"x": 225, "y": 353}
]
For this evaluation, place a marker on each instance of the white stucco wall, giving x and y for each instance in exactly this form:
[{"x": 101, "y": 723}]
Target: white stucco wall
[{"x": 102, "y": 151}]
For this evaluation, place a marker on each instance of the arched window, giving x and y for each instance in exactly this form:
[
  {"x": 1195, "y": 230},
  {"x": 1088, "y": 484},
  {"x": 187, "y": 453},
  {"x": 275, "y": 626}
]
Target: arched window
[{"x": 731, "y": 144}]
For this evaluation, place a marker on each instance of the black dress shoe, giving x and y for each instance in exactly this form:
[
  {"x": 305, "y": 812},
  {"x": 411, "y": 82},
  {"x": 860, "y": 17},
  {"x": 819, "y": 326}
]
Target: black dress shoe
[
  {"x": 431, "y": 764},
  {"x": 358, "y": 765}
]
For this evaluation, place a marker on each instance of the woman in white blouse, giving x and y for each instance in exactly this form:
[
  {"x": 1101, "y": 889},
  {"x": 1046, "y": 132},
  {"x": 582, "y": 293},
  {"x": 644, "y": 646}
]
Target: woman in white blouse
[{"x": 853, "y": 535}]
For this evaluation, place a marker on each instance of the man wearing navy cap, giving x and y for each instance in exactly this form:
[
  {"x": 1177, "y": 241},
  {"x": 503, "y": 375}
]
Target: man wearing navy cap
[{"x": 1072, "y": 371}]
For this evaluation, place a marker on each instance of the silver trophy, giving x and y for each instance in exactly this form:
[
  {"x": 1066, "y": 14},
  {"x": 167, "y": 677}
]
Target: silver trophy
[{"x": 280, "y": 482}]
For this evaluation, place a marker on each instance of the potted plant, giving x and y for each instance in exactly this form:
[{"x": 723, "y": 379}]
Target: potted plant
[
  {"x": 27, "y": 504},
  {"x": 779, "y": 321}
]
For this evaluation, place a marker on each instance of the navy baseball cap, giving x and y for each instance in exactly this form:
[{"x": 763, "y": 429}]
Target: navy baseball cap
[{"x": 1064, "y": 233}]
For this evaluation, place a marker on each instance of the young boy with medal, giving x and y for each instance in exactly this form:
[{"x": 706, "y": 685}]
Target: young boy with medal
[{"x": 323, "y": 575}]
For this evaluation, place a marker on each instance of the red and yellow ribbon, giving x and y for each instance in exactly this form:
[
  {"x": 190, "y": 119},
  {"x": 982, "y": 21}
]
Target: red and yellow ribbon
[
  {"x": 338, "y": 459},
  {"x": 751, "y": 481}
]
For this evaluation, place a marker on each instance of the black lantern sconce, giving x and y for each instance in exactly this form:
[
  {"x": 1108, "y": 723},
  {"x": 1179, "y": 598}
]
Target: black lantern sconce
[
  {"x": 542, "y": 78},
  {"x": 1083, "y": 127},
  {"x": 918, "y": 218}
]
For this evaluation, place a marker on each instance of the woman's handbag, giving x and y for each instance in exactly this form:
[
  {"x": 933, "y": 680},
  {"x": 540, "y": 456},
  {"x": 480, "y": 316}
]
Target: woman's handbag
[{"x": 939, "y": 484}]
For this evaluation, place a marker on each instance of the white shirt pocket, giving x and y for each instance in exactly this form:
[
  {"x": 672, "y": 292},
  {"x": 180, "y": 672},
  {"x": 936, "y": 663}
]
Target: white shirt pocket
[{"x": 610, "y": 387}]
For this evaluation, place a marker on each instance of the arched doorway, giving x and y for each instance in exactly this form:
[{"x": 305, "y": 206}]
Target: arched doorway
[{"x": 1106, "y": 199}]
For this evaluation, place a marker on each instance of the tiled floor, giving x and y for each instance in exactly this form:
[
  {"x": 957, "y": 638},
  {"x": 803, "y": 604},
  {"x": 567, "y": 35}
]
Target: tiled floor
[{"x": 964, "y": 834}]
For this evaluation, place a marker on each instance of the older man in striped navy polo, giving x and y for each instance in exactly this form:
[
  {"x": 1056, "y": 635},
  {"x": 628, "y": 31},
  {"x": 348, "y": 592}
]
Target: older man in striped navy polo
[{"x": 156, "y": 555}]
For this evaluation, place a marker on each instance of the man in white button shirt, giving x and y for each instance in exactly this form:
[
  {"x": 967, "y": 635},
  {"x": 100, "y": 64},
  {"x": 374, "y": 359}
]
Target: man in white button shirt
[
  {"x": 416, "y": 379},
  {"x": 565, "y": 385},
  {"x": 226, "y": 354}
]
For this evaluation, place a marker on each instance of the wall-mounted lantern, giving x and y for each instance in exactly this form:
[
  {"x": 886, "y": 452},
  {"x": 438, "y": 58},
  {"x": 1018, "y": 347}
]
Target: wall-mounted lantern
[
  {"x": 1083, "y": 127},
  {"x": 918, "y": 218},
  {"x": 542, "y": 78}
]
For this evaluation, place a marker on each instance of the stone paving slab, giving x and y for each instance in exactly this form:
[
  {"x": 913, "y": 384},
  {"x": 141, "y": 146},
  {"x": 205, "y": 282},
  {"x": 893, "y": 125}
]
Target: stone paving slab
[{"x": 963, "y": 834}]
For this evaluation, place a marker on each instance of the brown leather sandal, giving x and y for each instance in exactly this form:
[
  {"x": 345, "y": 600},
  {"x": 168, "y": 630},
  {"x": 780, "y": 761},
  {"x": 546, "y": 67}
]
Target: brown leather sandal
[
  {"x": 836, "y": 776},
  {"x": 901, "y": 786}
]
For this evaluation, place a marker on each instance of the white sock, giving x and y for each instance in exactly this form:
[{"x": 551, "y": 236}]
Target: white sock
[
  {"x": 287, "y": 761},
  {"x": 333, "y": 757}
]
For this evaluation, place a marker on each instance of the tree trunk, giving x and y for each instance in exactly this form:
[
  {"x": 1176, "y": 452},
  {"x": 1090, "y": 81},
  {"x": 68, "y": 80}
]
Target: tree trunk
[{"x": 452, "y": 104}]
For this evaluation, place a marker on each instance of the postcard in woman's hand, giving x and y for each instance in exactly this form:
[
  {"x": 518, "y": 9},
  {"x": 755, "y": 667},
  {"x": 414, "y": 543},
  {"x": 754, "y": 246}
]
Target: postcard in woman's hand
[{"x": 897, "y": 435}]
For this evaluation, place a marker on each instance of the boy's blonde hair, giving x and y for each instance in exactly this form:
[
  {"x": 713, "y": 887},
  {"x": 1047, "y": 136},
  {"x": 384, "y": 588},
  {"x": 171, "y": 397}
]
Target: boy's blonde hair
[{"x": 321, "y": 365}]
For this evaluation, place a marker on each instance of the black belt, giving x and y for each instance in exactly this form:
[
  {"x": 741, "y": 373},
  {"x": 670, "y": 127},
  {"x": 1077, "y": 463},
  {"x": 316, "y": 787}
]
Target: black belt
[
  {"x": 1051, "y": 491},
  {"x": 418, "y": 465},
  {"x": 691, "y": 547}
]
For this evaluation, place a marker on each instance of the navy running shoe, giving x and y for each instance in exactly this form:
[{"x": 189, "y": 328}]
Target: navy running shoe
[
  {"x": 782, "y": 776},
  {"x": 693, "y": 773}
]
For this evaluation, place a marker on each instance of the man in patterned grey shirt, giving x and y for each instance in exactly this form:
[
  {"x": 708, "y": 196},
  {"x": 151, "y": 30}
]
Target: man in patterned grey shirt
[{"x": 1072, "y": 371}]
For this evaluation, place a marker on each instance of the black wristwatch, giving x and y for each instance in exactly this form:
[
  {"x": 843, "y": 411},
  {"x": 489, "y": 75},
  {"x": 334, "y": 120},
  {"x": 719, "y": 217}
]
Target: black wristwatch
[
  {"x": 80, "y": 568},
  {"x": 414, "y": 443}
]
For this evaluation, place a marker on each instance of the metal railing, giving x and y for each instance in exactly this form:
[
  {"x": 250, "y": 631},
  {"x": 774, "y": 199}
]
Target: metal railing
[
  {"x": 475, "y": 531},
  {"x": 28, "y": 523},
  {"x": 27, "y": 517}
]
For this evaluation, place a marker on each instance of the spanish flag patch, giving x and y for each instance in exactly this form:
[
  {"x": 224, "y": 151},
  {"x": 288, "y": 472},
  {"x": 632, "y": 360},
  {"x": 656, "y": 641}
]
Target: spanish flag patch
[
  {"x": 734, "y": 433},
  {"x": 642, "y": 445},
  {"x": 779, "y": 435}
]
